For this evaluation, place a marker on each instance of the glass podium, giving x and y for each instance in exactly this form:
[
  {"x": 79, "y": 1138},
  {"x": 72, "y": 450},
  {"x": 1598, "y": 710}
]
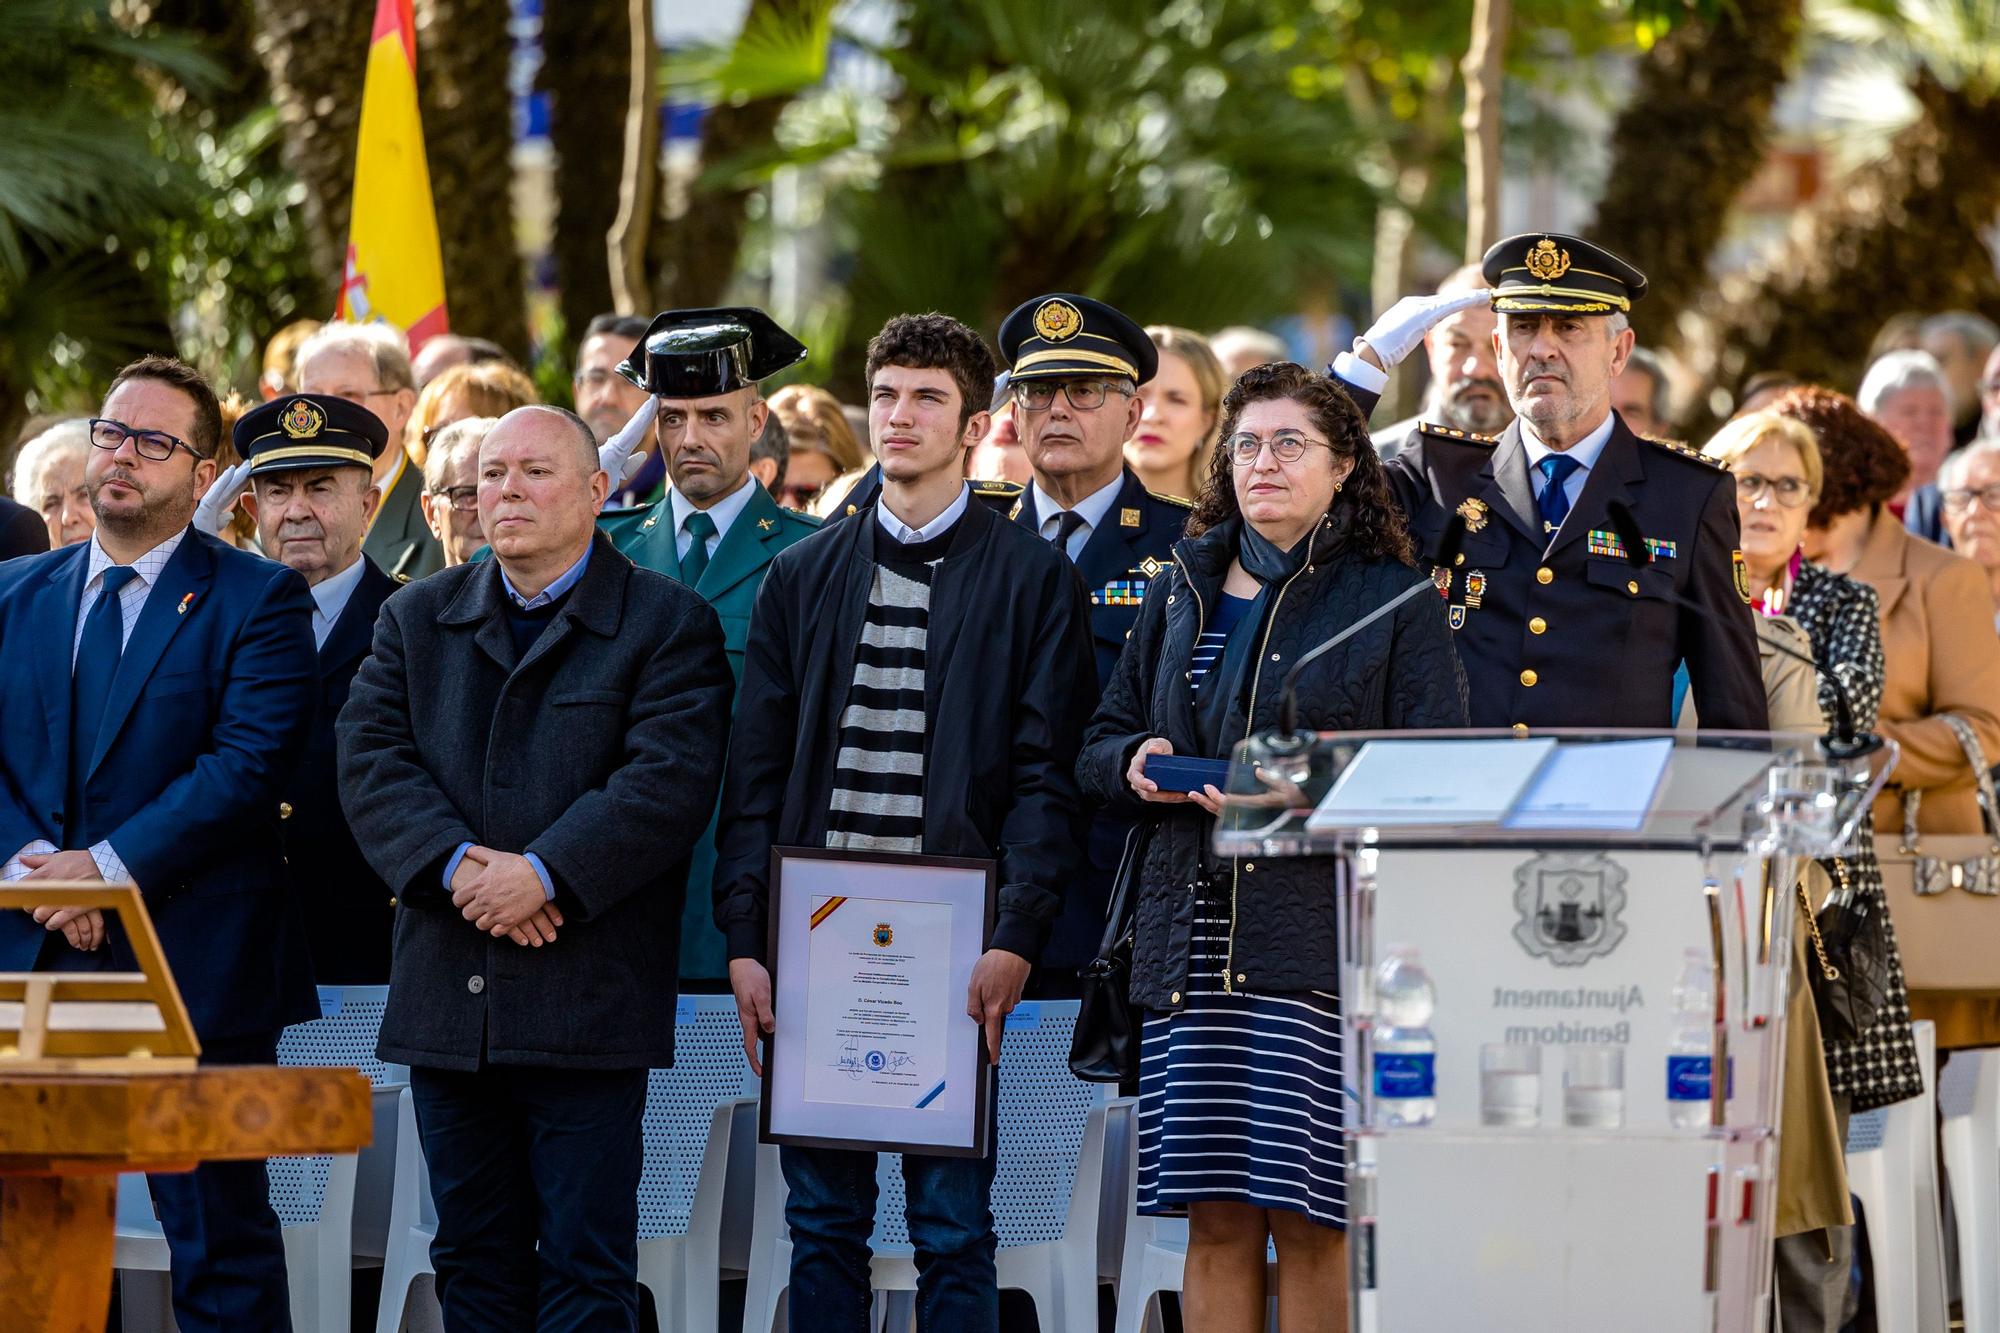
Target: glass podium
[{"x": 1558, "y": 887}]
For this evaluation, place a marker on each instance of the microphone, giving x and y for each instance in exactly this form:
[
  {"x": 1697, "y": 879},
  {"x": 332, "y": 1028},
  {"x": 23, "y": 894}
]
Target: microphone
[
  {"x": 1842, "y": 740},
  {"x": 1287, "y": 730}
]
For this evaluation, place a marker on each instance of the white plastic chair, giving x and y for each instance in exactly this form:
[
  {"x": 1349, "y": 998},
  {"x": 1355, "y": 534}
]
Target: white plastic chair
[
  {"x": 1969, "y": 1100},
  {"x": 696, "y": 1120},
  {"x": 1046, "y": 1190},
  {"x": 1892, "y": 1169},
  {"x": 1155, "y": 1251},
  {"x": 314, "y": 1197}
]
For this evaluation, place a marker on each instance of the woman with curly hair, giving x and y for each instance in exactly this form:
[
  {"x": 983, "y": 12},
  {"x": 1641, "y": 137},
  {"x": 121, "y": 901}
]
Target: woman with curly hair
[
  {"x": 1295, "y": 536},
  {"x": 1943, "y": 658},
  {"x": 480, "y": 389}
]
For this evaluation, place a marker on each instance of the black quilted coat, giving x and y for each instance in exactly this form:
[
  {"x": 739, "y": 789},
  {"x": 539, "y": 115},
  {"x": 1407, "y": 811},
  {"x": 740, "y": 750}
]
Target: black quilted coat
[{"x": 1400, "y": 672}]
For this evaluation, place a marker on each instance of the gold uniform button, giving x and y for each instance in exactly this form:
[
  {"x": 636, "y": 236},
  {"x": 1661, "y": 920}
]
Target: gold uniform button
[
  {"x": 1545, "y": 575},
  {"x": 1538, "y": 626},
  {"x": 1240, "y": 978},
  {"x": 1520, "y": 728},
  {"x": 284, "y": 809},
  {"x": 1529, "y": 677},
  {"x": 1175, "y": 998},
  {"x": 1632, "y": 586}
]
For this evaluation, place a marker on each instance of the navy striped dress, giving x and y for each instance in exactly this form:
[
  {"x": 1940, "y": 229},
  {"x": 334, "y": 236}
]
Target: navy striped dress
[{"x": 1240, "y": 1095}]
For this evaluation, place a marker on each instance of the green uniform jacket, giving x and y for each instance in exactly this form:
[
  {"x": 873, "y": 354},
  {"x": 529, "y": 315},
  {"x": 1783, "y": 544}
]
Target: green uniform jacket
[
  {"x": 730, "y": 583},
  {"x": 399, "y": 540}
]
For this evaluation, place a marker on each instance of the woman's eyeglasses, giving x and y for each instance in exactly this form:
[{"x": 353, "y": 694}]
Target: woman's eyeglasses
[
  {"x": 1287, "y": 446},
  {"x": 154, "y": 444},
  {"x": 1791, "y": 492},
  {"x": 465, "y": 499}
]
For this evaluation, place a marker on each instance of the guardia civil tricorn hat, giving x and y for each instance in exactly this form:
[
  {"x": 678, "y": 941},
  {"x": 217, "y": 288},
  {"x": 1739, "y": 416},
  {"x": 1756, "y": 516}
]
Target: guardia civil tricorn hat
[
  {"x": 701, "y": 353},
  {"x": 1546, "y": 272}
]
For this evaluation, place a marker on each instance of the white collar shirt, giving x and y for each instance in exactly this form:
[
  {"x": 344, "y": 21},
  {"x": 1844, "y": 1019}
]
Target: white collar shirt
[
  {"x": 132, "y": 597},
  {"x": 1585, "y": 451},
  {"x": 330, "y": 597},
  {"x": 1092, "y": 509},
  {"x": 724, "y": 512},
  {"x": 909, "y": 536}
]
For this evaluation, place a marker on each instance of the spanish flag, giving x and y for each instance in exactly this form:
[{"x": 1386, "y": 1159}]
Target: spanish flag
[{"x": 394, "y": 272}]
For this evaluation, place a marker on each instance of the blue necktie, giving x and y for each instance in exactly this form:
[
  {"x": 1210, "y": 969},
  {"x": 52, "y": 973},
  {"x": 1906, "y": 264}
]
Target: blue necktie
[
  {"x": 97, "y": 657},
  {"x": 1554, "y": 501}
]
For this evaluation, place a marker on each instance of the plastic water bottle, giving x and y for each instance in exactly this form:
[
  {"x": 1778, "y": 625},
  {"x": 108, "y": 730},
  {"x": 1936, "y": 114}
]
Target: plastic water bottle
[
  {"x": 1405, "y": 1050},
  {"x": 1690, "y": 1059}
]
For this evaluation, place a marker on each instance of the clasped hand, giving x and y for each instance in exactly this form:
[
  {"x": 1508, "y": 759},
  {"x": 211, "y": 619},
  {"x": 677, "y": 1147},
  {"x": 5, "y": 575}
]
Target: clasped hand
[
  {"x": 83, "y": 927},
  {"x": 500, "y": 893}
]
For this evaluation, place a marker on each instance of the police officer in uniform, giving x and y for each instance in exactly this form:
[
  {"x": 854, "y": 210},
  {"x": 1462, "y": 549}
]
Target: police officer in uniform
[
  {"x": 1555, "y": 625},
  {"x": 716, "y": 528},
  {"x": 1074, "y": 368},
  {"x": 307, "y": 456}
]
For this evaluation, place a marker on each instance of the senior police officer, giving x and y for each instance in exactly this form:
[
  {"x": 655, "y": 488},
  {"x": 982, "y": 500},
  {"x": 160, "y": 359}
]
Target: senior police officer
[
  {"x": 310, "y": 460},
  {"x": 1555, "y": 626},
  {"x": 716, "y": 529}
]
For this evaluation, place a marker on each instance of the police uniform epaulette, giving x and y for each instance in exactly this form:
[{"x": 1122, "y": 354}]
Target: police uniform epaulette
[
  {"x": 1178, "y": 502},
  {"x": 1004, "y": 497},
  {"x": 1686, "y": 451},
  {"x": 1454, "y": 433}
]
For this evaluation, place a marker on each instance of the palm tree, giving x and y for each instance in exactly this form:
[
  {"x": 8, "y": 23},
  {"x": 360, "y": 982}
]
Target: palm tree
[
  {"x": 585, "y": 50},
  {"x": 463, "y": 51},
  {"x": 1693, "y": 132},
  {"x": 1905, "y": 231}
]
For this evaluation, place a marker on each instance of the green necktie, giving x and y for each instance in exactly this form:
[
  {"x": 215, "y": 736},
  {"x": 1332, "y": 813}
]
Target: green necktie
[{"x": 701, "y": 527}]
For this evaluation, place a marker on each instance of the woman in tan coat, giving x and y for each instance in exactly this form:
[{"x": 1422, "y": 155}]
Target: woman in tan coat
[{"x": 1938, "y": 637}]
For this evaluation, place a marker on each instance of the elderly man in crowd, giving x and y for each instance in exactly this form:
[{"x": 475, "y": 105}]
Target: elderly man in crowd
[
  {"x": 1907, "y": 393},
  {"x": 443, "y": 351},
  {"x": 1964, "y": 345},
  {"x": 1989, "y": 397},
  {"x": 1242, "y": 346},
  {"x": 1639, "y": 394},
  {"x": 48, "y": 478},
  {"x": 175, "y": 675},
  {"x": 312, "y": 490},
  {"x": 606, "y": 400},
  {"x": 1465, "y": 391},
  {"x": 1969, "y": 483},
  {"x": 369, "y": 365},
  {"x": 451, "y": 488},
  {"x": 528, "y": 757}
]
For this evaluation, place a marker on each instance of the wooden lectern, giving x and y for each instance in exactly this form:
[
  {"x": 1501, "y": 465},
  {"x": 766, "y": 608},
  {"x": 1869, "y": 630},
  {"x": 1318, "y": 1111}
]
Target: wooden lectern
[{"x": 98, "y": 1076}]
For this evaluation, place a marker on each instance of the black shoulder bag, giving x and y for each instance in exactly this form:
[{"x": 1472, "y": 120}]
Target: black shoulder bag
[{"x": 1105, "y": 1047}]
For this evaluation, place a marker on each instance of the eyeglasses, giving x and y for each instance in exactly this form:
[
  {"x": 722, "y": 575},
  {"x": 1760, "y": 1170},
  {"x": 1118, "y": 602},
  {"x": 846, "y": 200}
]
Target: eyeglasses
[
  {"x": 594, "y": 378},
  {"x": 154, "y": 444},
  {"x": 1287, "y": 446},
  {"x": 1791, "y": 492},
  {"x": 1959, "y": 502},
  {"x": 1083, "y": 395},
  {"x": 798, "y": 497},
  {"x": 462, "y": 498}
]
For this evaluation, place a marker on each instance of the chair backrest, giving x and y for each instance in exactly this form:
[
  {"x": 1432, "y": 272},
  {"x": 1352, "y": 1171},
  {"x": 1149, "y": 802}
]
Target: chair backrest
[
  {"x": 1866, "y": 1130},
  {"x": 1958, "y": 1083},
  {"x": 709, "y": 1069},
  {"x": 1043, "y": 1110},
  {"x": 343, "y": 1036}
]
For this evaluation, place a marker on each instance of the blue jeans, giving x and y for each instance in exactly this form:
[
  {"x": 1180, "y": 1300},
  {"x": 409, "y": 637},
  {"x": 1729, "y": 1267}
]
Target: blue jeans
[{"x": 831, "y": 1212}]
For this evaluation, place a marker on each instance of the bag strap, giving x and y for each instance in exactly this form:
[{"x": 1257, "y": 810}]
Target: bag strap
[
  {"x": 1982, "y": 776},
  {"x": 1826, "y": 967},
  {"x": 1125, "y": 888}
]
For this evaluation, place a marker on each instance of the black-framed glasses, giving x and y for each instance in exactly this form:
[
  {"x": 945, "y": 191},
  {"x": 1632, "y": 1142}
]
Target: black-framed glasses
[
  {"x": 465, "y": 499},
  {"x": 1083, "y": 395},
  {"x": 798, "y": 497},
  {"x": 1791, "y": 492},
  {"x": 1287, "y": 446},
  {"x": 157, "y": 445},
  {"x": 1960, "y": 501}
]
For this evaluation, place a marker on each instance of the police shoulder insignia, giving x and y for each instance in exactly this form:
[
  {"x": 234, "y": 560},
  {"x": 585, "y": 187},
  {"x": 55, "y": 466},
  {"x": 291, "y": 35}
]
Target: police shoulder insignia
[
  {"x": 1056, "y": 320},
  {"x": 1685, "y": 451},
  {"x": 1742, "y": 573},
  {"x": 997, "y": 488},
  {"x": 302, "y": 420},
  {"x": 1436, "y": 431},
  {"x": 1178, "y": 501}
]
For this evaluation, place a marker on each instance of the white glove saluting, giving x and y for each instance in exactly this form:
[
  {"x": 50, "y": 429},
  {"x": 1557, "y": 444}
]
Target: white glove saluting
[
  {"x": 1404, "y": 324},
  {"x": 620, "y": 456},
  {"x": 211, "y": 515}
]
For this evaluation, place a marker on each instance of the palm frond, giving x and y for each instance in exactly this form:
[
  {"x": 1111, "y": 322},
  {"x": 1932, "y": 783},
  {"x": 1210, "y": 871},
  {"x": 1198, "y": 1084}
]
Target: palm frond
[{"x": 779, "y": 53}]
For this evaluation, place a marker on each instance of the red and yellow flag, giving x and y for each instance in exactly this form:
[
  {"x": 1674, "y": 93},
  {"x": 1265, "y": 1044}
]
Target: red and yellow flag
[{"x": 394, "y": 271}]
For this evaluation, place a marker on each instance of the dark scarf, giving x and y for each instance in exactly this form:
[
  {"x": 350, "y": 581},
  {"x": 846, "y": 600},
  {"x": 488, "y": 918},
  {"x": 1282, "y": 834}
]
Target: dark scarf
[{"x": 1227, "y": 688}]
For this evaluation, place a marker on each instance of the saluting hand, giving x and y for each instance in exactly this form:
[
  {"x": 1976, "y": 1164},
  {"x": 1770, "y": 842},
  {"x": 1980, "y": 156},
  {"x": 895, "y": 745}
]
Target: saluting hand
[
  {"x": 615, "y": 456},
  {"x": 1404, "y": 324},
  {"x": 502, "y": 895},
  {"x": 751, "y": 984}
]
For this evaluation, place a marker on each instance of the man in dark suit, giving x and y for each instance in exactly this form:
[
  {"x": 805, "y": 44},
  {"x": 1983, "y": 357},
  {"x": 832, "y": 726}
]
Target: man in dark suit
[
  {"x": 160, "y": 697},
  {"x": 312, "y": 494},
  {"x": 1555, "y": 626},
  {"x": 527, "y": 757},
  {"x": 22, "y": 531}
]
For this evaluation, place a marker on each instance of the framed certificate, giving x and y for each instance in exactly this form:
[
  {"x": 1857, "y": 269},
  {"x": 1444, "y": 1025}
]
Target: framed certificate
[{"x": 871, "y": 956}]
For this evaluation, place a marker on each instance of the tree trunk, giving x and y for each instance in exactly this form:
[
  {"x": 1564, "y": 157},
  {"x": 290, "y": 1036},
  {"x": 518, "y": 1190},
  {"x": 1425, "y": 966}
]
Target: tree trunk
[
  {"x": 463, "y": 51},
  {"x": 1693, "y": 133},
  {"x": 316, "y": 57},
  {"x": 1904, "y": 233},
  {"x": 586, "y": 58},
  {"x": 1394, "y": 275},
  {"x": 1483, "y": 68},
  {"x": 627, "y": 243}
]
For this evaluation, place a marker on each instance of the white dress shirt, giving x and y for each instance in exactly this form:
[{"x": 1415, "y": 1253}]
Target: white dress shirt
[
  {"x": 1585, "y": 451},
  {"x": 908, "y": 535},
  {"x": 724, "y": 512},
  {"x": 1091, "y": 509},
  {"x": 330, "y": 597}
]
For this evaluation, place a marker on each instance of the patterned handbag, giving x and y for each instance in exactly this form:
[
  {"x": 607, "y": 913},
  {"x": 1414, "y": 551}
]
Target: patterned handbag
[{"x": 1945, "y": 936}]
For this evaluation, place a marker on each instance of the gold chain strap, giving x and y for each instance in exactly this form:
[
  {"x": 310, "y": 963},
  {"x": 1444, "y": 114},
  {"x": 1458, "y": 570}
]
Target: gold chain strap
[{"x": 1827, "y": 969}]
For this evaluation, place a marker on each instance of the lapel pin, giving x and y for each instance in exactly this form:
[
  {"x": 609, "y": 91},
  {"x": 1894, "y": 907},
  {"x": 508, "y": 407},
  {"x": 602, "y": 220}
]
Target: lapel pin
[
  {"x": 186, "y": 602},
  {"x": 766, "y": 524},
  {"x": 1128, "y": 518}
]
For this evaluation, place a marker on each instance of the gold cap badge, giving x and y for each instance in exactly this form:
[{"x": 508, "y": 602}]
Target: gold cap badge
[
  {"x": 302, "y": 421},
  {"x": 1056, "y": 320},
  {"x": 1547, "y": 262}
]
